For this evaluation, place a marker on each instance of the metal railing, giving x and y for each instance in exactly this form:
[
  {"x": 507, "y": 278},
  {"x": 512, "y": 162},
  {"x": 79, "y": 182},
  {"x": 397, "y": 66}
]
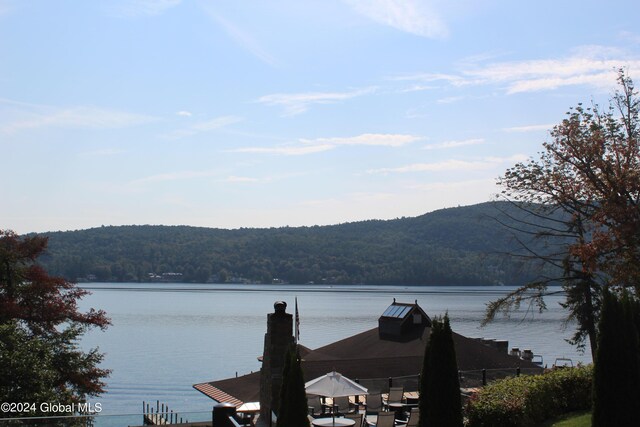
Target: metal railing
[
  {"x": 100, "y": 420},
  {"x": 468, "y": 379}
]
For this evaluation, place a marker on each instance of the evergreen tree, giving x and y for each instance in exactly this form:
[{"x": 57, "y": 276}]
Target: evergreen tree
[
  {"x": 440, "y": 403},
  {"x": 617, "y": 365},
  {"x": 293, "y": 397}
]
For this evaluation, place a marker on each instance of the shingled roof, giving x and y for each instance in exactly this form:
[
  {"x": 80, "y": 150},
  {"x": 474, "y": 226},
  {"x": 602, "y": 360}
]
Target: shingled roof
[
  {"x": 371, "y": 354},
  {"x": 237, "y": 390}
]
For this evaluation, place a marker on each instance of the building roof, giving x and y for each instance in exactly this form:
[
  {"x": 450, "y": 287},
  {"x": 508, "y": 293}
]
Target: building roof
[
  {"x": 368, "y": 355},
  {"x": 217, "y": 394},
  {"x": 238, "y": 390}
]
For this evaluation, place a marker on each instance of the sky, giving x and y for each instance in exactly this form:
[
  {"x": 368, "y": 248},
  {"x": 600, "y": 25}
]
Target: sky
[{"x": 274, "y": 113}]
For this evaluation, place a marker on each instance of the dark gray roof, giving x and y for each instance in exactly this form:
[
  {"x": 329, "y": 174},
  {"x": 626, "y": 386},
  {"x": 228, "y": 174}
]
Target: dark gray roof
[{"x": 367, "y": 355}]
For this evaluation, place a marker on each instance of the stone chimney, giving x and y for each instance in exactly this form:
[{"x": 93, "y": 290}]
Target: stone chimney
[{"x": 277, "y": 341}]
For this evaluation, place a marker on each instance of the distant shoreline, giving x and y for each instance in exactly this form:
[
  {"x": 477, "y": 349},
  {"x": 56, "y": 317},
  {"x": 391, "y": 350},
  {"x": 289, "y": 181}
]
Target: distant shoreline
[{"x": 496, "y": 290}]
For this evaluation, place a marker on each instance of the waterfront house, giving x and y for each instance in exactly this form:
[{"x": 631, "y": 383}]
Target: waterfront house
[{"x": 393, "y": 350}]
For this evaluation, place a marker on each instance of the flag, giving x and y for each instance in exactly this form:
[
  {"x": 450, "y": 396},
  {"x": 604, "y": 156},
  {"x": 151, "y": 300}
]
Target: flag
[{"x": 297, "y": 325}]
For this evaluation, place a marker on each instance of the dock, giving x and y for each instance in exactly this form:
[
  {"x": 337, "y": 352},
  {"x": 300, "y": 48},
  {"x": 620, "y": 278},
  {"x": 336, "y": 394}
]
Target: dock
[{"x": 163, "y": 416}]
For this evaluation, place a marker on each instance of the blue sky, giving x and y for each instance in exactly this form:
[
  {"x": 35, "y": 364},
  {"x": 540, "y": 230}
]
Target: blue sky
[{"x": 270, "y": 113}]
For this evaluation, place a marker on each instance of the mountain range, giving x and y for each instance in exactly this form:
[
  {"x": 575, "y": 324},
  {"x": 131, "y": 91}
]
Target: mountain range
[{"x": 467, "y": 245}]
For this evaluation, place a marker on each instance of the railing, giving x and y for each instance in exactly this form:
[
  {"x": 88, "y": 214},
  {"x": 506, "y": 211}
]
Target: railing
[
  {"x": 196, "y": 419},
  {"x": 468, "y": 379},
  {"x": 223, "y": 415},
  {"x": 382, "y": 385},
  {"x": 478, "y": 378}
]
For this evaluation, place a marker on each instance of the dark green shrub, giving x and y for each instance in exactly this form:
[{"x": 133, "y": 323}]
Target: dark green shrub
[{"x": 529, "y": 400}]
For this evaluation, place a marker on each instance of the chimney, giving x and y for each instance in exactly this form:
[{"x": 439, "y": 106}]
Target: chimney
[{"x": 277, "y": 341}]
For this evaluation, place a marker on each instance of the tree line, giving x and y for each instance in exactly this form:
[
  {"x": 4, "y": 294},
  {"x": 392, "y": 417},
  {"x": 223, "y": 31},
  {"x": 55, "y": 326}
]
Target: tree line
[{"x": 463, "y": 246}]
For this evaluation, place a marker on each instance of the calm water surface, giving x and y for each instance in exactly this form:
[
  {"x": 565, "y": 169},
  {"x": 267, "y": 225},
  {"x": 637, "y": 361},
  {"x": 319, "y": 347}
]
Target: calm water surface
[{"x": 167, "y": 337}]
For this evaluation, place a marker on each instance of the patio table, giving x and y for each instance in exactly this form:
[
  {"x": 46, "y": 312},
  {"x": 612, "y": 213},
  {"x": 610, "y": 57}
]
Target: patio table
[{"x": 330, "y": 422}]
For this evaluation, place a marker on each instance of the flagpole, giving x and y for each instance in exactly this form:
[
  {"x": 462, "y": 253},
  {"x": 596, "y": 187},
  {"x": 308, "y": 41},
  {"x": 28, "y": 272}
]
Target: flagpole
[{"x": 297, "y": 325}]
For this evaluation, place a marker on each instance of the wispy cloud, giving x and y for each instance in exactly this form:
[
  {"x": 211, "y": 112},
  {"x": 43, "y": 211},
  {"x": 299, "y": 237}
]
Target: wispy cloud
[
  {"x": 217, "y": 176},
  {"x": 318, "y": 145},
  {"x": 4, "y": 7},
  {"x": 412, "y": 16},
  {"x": 594, "y": 66},
  {"x": 629, "y": 36},
  {"x": 454, "y": 144},
  {"x": 450, "y": 99},
  {"x": 447, "y": 165},
  {"x": 297, "y": 103},
  {"x": 204, "y": 126},
  {"x": 232, "y": 179},
  {"x": 135, "y": 8},
  {"x": 240, "y": 36},
  {"x": 216, "y": 123},
  {"x": 530, "y": 128},
  {"x": 452, "y": 79},
  {"x": 81, "y": 117},
  {"x": 184, "y": 113},
  {"x": 286, "y": 150},
  {"x": 417, "y": 88},
  {"x": 537, "y": 75},
  {"x": 450, "y": 165},
  {"x": 175, "y": 176},
  {"x": 103, "y": 153},
  {"x": 376, "y": 139},
  {"x": 417, "y": 113},
  {"x": 350, "y": 198},
  {"x": 453, "y": 186}
]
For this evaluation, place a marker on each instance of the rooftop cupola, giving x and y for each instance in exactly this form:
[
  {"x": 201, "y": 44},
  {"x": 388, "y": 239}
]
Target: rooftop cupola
[{"x": 402, "y": 321}]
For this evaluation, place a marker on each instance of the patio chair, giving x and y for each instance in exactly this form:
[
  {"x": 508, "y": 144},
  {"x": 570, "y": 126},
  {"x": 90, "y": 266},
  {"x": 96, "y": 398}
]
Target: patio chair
[
  {"x": 395, "y": 401},
  {"x": 315, "y": 405},
  {"x": 358, "y": 418},
  {"x": 386, "y": 419},
  {"x": 373, "y": 404},
  {"x": 412, "y": 421},
  {"x": 341, "y": 405},
  {"x": 396, "y": 395},
  {"x": 359, "y": 402}
]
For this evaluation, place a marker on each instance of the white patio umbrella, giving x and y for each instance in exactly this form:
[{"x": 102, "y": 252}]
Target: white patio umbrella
[{"x": 333, "y": 385}]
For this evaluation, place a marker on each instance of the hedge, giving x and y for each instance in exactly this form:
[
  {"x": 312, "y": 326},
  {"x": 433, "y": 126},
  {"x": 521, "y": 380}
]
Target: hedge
[{"x": 530, "y": 400}]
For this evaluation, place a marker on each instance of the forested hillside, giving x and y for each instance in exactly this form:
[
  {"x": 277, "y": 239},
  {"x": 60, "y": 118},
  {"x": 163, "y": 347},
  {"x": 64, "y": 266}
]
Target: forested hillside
[{"x": 464, "y": 245}]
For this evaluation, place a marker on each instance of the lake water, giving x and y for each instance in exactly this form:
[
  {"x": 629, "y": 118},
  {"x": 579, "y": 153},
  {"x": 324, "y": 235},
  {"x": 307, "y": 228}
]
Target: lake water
[{"x": 166, "y": 337}]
